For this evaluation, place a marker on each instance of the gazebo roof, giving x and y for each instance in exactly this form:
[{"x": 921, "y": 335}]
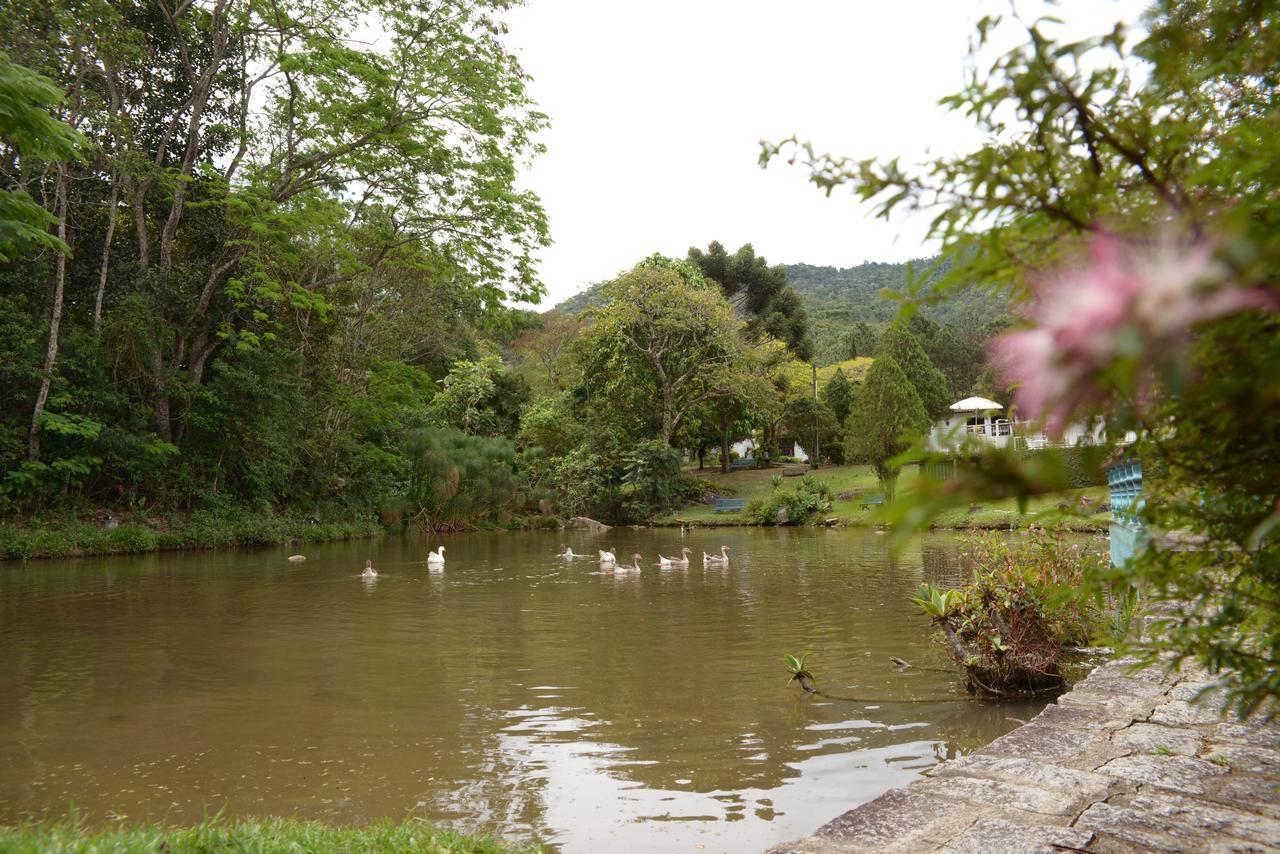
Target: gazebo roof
[{"x": 975, "y": 404}]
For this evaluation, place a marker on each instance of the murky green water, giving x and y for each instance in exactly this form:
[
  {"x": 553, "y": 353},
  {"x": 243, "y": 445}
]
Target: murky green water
[{"x": 513, "y": 691}]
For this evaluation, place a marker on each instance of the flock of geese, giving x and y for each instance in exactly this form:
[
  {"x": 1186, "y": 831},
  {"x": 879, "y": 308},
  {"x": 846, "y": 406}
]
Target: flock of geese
[{"x": 608, "y": 561}]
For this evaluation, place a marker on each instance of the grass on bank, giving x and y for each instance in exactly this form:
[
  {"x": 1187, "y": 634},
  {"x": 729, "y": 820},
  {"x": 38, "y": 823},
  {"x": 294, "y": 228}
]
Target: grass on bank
[
  {"x": 77, "y": 538},
  {"x": 244, "y": 835},
  {"x": 757, "y": 484}
]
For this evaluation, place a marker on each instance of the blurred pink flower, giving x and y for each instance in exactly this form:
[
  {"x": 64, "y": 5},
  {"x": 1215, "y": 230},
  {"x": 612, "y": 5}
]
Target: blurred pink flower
[{"x": 1125, "y": 303}]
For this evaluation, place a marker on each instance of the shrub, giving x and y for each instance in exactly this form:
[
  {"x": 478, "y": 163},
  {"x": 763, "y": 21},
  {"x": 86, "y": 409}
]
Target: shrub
[
  {"x": 652, "y": 470},
  {"x": 1081, "y": 466},
  {"x": 128, "y": 538},
  {"x": 1007, "y": 626},
  {"x": 798, "y": 506}
]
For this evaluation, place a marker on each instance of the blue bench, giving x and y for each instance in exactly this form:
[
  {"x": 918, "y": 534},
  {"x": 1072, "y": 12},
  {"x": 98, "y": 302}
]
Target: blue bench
[
  {"x": 872, "y": 500},
  {"x": 745, "y": 463},
  {"x": 730, "y": 505}
]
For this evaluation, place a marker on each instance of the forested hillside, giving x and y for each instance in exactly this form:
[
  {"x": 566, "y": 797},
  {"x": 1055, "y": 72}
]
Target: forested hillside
[{"x": 837, "y": 299}]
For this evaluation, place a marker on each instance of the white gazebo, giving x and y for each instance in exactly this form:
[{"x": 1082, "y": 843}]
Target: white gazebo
[
  {"x": 985, "y": 420},
  {"x": 973, "y": 416}
]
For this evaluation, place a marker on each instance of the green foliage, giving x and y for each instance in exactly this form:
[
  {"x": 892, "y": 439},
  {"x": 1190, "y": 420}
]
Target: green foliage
[
  {"x": 580, "y": 482},
  {"x": 938, "y": 603},
  {"x": 901, "y": 345},
  {"x": 760, "y": 291},
  {"x": 808, "y": 500},
  {"x": 659, "y": 349},
  {"x": 457, "y": 480},
  {"x": 652, "y": 471},
  {"x": 34, "y": 137},
  {"x": 267, "y": 274},
  {"x": 206, "y": 529},
  {"x": 839, "y": 394},
  {"x": 244, "y": 834},
  {"x": 551, "y": 424},
  {"x": 801, "y": 415},
  {"x": 1080, "y": 466},
  {"x": 480, "y": 397},
  {"x": 887, "y": 416},
  {"x": 799, "y": 671}
]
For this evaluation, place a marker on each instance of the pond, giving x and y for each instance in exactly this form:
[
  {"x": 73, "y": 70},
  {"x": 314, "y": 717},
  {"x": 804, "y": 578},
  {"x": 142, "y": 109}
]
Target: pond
[{"x": 514, "y": 691}]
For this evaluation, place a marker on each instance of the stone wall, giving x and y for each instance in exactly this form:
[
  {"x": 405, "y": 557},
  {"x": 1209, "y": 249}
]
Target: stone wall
[{"x": 1122, "y": 762}]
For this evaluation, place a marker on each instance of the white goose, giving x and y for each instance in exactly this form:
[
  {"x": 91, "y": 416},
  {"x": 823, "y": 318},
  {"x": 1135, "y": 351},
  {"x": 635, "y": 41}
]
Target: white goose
[
  {"x": 568, "y": 554},
  {"x": 369, "y": 571},
  {"x": 683, "y": 560},
  {"x": 721, "y": 559},
  {"x": 622, "y": 567},
  {"x": 607, "y": 558},
  {"x": 435, "y": 560}
]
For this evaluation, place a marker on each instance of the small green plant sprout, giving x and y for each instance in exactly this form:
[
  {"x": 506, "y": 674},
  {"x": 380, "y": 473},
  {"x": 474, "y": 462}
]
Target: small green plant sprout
[
  {"x": 1162, "y": 751},
  {"x": 799, "y": 672},
  {"x": 1219, "y": 759},
  {"x": 936, "y": 602}
]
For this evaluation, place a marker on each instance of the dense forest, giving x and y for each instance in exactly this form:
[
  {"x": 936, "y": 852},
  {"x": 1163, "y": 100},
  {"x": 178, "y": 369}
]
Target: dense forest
[
  {"x": 255, "y": 250},
  {"x": 250, "y": 270}
]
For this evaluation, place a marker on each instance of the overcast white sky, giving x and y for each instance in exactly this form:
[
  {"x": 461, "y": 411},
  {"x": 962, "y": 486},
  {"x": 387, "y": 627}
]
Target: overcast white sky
[{"x": 658, "y": 107}]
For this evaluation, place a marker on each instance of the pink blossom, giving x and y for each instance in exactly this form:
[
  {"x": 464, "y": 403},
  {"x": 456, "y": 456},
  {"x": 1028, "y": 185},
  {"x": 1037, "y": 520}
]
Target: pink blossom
[{"x": 1123, "y": 303}]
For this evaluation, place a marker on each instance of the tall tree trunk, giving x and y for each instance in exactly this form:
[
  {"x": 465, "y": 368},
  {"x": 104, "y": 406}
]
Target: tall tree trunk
[
  {"x": 55, "y": 318},
  {"x": 106, "y": 255},
  {"x": 724, "y": 451}
]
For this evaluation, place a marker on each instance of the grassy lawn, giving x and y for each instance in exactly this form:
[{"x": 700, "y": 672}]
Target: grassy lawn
[
  {"x": 755, "y": 484},
  {"x": 245, "y": 835}
]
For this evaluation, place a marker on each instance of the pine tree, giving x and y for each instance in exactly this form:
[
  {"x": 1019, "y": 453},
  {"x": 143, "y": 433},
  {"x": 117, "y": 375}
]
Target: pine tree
[
  {"x": 904, "y": 347},
  {"x": 838, "y": 394},
  {"x": 887, "y": 412}
]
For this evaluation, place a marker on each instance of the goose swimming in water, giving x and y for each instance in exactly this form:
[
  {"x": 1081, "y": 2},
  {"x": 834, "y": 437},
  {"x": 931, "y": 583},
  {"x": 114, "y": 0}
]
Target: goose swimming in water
[
  {"x": 568, "y": 554},
  {"x": 721, "y": 559},
  {"x": 369, "y": 571},
  {"x": 608, "y": 558},
  {"x": 683, "y": 560},
  {"x": 435, "y": 559},
  {"x": 622, "y": 567}
]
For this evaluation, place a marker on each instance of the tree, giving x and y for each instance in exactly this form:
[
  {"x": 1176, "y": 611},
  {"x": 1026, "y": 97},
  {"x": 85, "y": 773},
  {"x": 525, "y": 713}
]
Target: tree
[
  {"x": 838, "y": 394},
  {"x": 551, "y": 424},
  {"x": 861, "y": 340},
  {"x": 761, "y": 292},
  {"x": 799, "y": 418},
  {"x": 660, "y": 344},
  {"x": 32, "y": 138},
  {"x": 900, "y": 344},
  {"x": 482, "y": 398},
  {"x": 887, "y": 417},
  {"x": 547, "y": 342}
]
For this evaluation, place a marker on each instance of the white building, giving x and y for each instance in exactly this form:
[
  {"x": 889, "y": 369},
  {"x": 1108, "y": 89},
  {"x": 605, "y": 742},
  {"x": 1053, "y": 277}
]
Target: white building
[{"x": 983, "y": 420}]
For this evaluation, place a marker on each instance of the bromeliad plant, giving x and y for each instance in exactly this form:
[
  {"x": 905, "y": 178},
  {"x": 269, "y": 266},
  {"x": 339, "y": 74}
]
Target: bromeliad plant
[{"x": 800, "y": 673}]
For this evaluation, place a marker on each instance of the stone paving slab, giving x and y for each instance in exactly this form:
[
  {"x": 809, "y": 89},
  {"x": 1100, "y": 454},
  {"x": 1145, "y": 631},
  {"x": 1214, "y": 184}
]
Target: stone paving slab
[{"x": 1125, "y": 761}]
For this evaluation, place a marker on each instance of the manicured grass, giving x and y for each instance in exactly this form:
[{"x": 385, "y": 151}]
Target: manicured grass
[
  {"x": 73, "y": 538},
  {"x": 243, "y": 835},
  {"x": 755, "y": 484}
]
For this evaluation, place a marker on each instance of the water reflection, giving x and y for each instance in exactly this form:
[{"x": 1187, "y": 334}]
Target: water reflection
[{"x": 514, "y": 690}]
